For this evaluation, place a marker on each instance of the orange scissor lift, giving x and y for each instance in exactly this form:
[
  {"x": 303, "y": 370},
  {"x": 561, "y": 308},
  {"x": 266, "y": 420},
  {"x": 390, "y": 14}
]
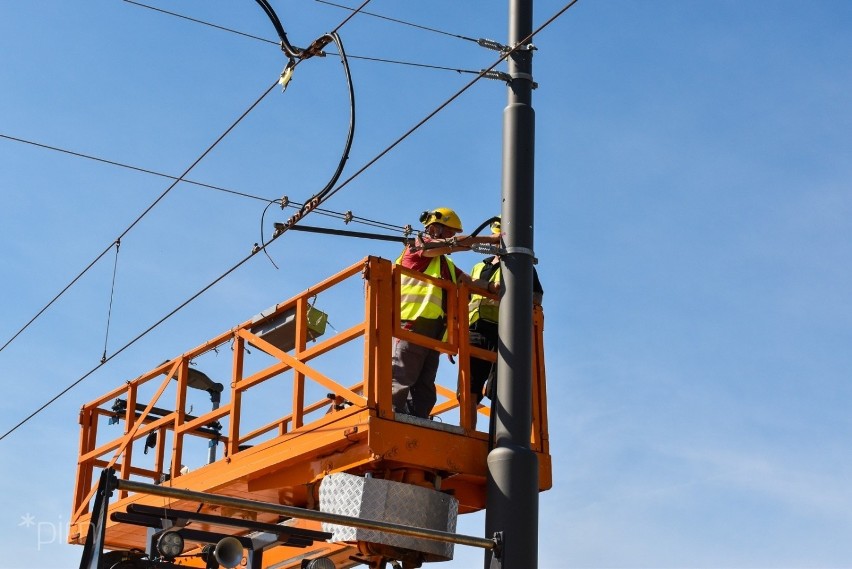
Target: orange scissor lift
[{"x": 298, "y": 401}]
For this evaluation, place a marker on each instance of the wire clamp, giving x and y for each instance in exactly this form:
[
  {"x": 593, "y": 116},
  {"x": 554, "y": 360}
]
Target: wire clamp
[
  {"x": 285, "y": 201},
  {"x": 347, "y": 217},
  {"x": 524, "y": 47},
  {"x": 525, "y": 76},
  {"x": 316, "y": 48},
  {"x": 522, "y": 251},
  {"x": 508, "y": 78}
]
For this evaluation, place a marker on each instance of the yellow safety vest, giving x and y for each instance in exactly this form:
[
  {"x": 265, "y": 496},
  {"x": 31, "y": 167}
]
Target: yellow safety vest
[
  {"x": 421, "y": 299},
  {"x": 482, "y": 307}
]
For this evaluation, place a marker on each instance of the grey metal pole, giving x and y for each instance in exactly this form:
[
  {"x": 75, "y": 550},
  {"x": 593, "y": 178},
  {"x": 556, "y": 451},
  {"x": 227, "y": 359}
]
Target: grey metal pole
[{"x": 512, "y": 501}]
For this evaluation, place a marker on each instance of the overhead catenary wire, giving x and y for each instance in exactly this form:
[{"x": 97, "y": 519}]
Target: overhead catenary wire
[
  {"x": 289, "y": 203},
  {"x": 274, "y": 237},
  {"x": 269, "y": 41}
]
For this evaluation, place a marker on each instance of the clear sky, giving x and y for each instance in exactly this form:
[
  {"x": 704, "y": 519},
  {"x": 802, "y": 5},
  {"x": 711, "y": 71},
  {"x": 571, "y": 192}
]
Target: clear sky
[{"x": 693, "y": 222}]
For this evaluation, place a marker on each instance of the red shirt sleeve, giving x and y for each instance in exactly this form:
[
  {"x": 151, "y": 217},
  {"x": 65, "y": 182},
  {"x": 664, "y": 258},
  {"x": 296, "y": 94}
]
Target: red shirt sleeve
[{"x": 414, "y": 260}]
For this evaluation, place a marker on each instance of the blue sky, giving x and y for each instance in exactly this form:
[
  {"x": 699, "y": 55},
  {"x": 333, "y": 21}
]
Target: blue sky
[{"x": 692, "y": 224}]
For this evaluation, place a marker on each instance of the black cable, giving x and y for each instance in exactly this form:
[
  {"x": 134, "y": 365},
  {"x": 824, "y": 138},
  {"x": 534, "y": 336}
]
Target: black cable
[
  {"x": 484, "y": 224},
  {"x": 320, "y": 196},
  {"x": 143, "y": 214},
  {"x": 274, "y": 237},
  {"x": 282, "y": 35},
  {"x": 262, "y": 224},
  {"x": 359, "y": 234},
  {"x": 111, "y": 296}
]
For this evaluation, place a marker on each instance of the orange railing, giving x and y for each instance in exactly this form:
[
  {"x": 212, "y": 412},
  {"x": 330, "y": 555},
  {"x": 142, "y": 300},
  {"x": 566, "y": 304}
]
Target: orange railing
[{"x": 378, "y": 285}]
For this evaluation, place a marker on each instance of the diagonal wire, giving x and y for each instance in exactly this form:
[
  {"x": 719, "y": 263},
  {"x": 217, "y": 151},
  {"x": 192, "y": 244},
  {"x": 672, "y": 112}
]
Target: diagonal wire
[
  {"x": 143, "y": 214},
  {"x": 350, "y": 16},
  {"x": 274, "y": 237},
  {"x": 396, "y": 20},
  {"x": 128, "y": 344}
]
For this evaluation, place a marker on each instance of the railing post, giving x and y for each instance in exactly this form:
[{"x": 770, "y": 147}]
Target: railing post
[
  {"x": 298, "y": 377},
  {"x": 180, "y": 416},
  {"x": 385, "y": 282},
  {"x": 84, "y": 469},
  {"x": 236, "y": 396},
  {"x": 129, "y": 423},
  {"x": 467, "y": 403}
]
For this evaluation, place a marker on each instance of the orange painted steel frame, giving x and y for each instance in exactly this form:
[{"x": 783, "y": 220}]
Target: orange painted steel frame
[{"x": 363, "y": 437}]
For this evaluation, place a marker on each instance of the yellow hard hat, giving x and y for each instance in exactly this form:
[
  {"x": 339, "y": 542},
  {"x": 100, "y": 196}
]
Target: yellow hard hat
[
  {"x": 495, "y": 226},
  {"x": 442, "y": 215}
]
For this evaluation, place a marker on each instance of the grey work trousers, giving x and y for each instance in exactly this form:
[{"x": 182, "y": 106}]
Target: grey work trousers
[{"x": 415, "y": 368}]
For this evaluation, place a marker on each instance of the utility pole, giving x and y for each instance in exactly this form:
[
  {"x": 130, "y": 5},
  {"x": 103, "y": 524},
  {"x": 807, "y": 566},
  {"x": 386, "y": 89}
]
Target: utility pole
[{"x": 512, "y": 502}]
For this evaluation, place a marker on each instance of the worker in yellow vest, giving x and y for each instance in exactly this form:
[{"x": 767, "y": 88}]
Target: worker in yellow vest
[
  {"x": 423, "y": 308},
  {"x": 483, "y": 320}
]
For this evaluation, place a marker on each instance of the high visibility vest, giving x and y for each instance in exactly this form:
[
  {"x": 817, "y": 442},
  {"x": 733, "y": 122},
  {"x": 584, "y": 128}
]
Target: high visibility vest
[
  {"x": 421, "y": 299},
  {"x": 482, "y": 307}
]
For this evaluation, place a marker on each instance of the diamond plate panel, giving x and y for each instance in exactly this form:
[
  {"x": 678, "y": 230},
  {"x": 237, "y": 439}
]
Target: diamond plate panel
[{"x": 392, "y": 502}]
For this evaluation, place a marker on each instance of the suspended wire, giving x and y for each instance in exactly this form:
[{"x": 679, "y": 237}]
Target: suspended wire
[
  {"x": 350, "y": 56},
  {"x": 202, "y": 22},
  {"x": 411, "y": 64},
  {"x": 289, "y": 203},
  {"x": 398, "y": 21},
  {"x": 129, "y": 166},
  {"x": 143, "y": 214},
  {"x": 274, "y": 237},
  {"x": 111, "y": 296}
]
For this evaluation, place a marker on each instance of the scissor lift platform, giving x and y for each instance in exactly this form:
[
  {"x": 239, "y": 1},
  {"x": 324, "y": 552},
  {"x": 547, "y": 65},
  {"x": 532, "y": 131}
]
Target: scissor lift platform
[{"x": 349, "y": 427}]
